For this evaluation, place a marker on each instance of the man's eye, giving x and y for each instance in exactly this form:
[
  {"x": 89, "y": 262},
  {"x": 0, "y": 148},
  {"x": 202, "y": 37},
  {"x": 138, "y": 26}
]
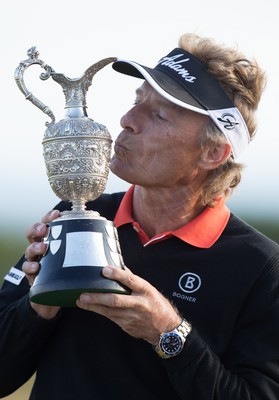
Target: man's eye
[{"x": 161, "y": 116}]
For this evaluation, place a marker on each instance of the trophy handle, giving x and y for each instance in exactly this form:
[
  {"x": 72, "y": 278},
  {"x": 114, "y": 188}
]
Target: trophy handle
[{"x": 19, "y": 72}]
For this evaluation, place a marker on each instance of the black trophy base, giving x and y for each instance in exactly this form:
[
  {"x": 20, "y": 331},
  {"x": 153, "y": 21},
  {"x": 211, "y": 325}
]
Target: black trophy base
[
  {"x": 64, "y": 293},
  {"x": 77, "y": 251}
]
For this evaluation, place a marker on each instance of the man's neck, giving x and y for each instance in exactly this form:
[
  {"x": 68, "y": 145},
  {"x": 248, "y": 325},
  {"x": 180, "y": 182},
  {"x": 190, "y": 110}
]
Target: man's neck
[{"x": 161, "y": 210}]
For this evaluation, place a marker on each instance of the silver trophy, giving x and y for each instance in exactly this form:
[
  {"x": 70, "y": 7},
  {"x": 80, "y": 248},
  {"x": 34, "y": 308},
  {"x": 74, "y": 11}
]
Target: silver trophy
[{"x": 77, "y": 152}]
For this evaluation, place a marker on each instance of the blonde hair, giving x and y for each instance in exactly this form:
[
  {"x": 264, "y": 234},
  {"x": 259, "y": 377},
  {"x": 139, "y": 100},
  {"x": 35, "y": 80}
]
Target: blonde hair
[{"x": 244, "y": 82}]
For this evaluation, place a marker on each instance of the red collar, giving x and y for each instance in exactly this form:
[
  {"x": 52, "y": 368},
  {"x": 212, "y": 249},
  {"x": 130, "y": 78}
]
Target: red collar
[{"x": 203, "y": 231}]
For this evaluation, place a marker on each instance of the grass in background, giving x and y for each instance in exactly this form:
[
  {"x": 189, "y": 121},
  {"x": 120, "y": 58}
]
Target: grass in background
[
  {"x": 12, "y": 247},
  {"x": 269, "y": 228}
]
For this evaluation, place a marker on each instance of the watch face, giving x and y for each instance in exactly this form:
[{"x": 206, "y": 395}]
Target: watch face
[{"x": 171, "y": 344}]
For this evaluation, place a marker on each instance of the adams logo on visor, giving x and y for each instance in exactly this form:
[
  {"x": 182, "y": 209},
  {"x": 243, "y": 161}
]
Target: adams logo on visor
[
  {"x": 175, "y": 64},
  {"x": 183, "y": 80}
]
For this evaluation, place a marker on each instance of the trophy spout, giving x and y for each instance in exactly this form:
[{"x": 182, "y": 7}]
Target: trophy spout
[{"x": 75, "y": 90}]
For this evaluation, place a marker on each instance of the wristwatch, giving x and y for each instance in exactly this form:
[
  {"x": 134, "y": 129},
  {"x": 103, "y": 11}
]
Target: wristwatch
[{"x": 172, "y": 343}]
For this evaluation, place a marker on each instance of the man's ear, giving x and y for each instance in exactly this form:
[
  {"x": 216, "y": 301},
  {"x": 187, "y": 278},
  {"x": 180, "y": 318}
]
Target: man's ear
[{"x": 215, "y": 155}]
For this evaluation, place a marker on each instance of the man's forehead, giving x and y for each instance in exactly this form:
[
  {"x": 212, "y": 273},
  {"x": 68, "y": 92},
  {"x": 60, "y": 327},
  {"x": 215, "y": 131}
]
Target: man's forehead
[{"x": 146, "y": 89}]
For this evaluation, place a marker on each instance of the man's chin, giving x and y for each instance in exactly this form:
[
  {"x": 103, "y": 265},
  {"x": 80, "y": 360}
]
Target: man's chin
[{"x": 117, "y": 167}]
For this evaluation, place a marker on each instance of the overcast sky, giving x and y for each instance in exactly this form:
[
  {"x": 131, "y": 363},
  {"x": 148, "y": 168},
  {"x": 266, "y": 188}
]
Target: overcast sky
[{"x": 72, "y": 35}]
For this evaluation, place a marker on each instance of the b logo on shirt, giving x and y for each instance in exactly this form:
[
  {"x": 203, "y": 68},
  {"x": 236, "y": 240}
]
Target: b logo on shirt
[{"x": 189, "y": 282}]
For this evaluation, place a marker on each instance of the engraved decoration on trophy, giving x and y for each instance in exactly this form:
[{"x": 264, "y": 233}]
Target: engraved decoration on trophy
[{"x": 77, "y": 152}]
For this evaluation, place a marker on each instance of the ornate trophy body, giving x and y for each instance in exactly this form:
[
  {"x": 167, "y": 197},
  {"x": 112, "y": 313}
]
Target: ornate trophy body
[{"x": 77, "y": 153}]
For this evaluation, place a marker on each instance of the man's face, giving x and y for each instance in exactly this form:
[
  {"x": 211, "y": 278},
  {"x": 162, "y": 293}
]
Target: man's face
[{"x": 159, "y": 143}]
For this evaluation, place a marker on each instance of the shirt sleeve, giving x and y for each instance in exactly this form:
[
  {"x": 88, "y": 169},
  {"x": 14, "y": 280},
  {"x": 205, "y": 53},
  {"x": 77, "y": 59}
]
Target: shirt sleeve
[{"x": 22, "y": 333}]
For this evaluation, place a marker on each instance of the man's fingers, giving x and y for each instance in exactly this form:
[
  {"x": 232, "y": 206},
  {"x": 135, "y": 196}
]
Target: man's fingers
[
  {"x": 39, "y": 230},
  {"x": 35, "y": 251},
  {"x": 127, "y": 278},
  {"x": 31, "y": 269},
  {"x": 50, "y": 216},
  {"x": 36, "y": 232}
]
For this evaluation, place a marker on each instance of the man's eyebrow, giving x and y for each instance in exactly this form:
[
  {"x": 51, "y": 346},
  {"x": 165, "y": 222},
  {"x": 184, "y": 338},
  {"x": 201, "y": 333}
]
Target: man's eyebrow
[{"x": 160, "y": 100}]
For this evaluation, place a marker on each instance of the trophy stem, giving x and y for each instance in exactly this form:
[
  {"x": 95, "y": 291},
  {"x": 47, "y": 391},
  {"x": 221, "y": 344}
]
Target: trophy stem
[
  {"x": 78, "y": 206},
  {"x": 79, "y": 211}
]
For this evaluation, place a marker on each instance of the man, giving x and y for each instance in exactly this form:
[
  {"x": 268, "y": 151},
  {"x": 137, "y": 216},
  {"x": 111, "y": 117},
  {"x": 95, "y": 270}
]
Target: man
[{"x": 202, "y": 320}]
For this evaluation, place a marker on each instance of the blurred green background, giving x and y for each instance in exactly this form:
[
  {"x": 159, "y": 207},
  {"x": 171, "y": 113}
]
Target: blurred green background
[{"x": 13, "y": 246}]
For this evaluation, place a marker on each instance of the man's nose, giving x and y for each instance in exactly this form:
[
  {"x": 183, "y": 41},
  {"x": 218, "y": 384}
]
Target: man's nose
[{"x": 129, "y": 120}]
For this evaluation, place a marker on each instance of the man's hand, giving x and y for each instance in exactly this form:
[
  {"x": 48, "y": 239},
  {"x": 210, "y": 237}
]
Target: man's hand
[
  {"x": 33, "y": 253},
  {"x": 143, "y": 314}
]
